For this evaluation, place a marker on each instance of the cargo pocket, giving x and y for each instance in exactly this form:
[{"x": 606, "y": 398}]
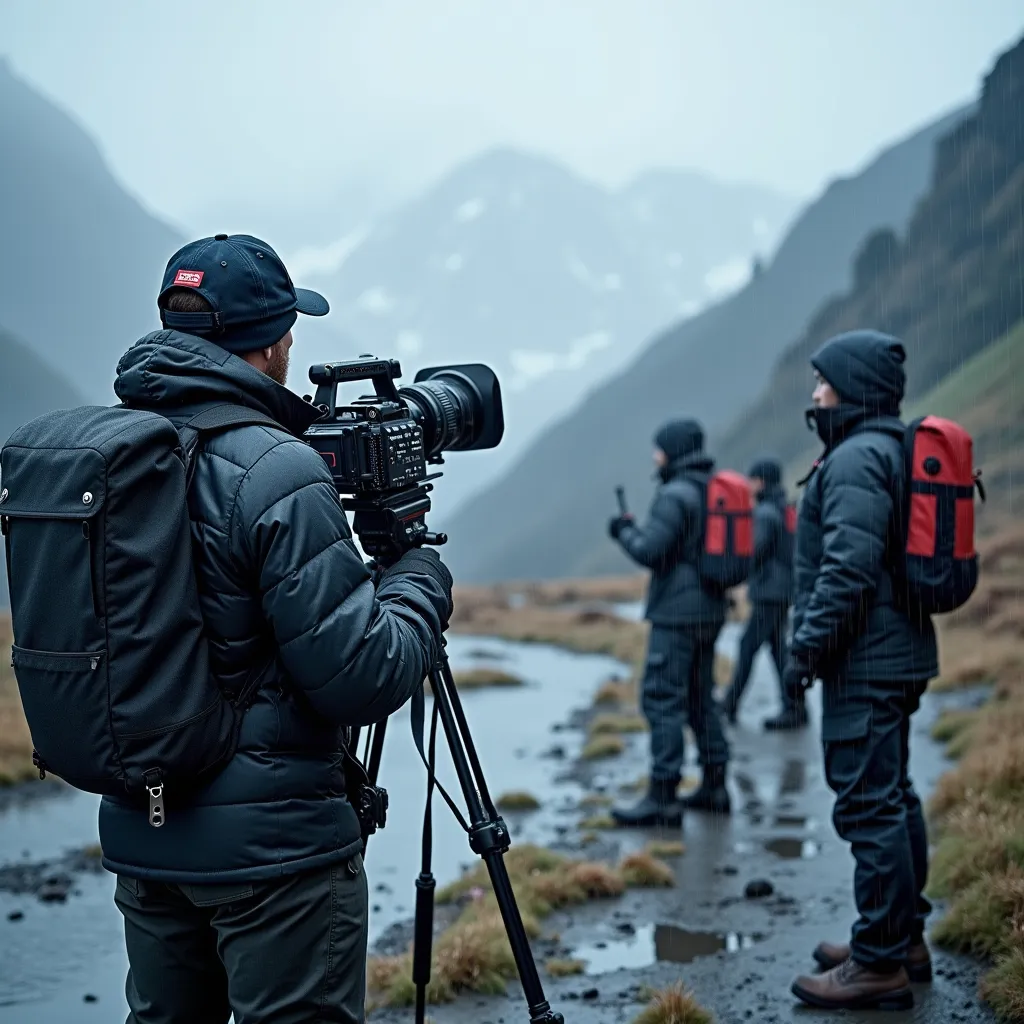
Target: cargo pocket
[
  {"x": 78, "y": 748},
  {"x": 844, "y": 734}
]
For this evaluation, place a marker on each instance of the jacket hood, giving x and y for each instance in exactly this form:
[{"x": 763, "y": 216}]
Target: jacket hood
[
  {"x": 865, "y": 368},
  {"x": 767, "y": 469},
  {"x": 695, "y": 462},
  {"x": 167, "y": 370},
  {"x": 679, "y": 438}
]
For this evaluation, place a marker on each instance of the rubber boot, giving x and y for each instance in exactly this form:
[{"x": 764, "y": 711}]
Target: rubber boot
[
  {"x": 711, "y": 795},
  {"x": 658, "y": 807},
  {"x": 792, "y": 717}
]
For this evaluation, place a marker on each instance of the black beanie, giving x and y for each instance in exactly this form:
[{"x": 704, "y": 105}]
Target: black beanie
[
  {"x": 865, "y": 368},
  {"x": 767, "y": 469},
  {"x": 680, "y": 437}
]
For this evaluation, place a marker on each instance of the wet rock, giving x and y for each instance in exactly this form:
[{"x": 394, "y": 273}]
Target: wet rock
[
  {"x": 729, "y": 869},
  {"x": 556, "y": 753},
  {"x": 758, "y": 889},
  {"x": 16, "y": 915},
  {"x": 90, "y": 998},
  {"x": 626, "y": 927},
  {"x": 590, "y": 994},
  {"x": 55, "y": 889}
]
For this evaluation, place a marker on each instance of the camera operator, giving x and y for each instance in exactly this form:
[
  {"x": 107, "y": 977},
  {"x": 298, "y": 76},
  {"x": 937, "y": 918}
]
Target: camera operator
[
  {"x": 685, "y": 619},
  {"x": 251, "y": 898}
]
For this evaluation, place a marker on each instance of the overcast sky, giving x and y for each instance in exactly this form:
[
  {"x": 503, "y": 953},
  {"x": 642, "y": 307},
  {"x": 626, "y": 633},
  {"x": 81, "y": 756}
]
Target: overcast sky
[{"x": 210, "y": 111}]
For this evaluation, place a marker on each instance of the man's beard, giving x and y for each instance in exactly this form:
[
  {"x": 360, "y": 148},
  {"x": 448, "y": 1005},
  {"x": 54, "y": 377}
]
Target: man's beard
[{"x": 277, "y": 368}]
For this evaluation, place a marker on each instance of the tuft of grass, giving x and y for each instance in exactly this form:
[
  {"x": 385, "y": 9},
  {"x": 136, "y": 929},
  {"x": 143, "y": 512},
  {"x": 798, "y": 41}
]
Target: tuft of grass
[
  {"x": 976, "y": 923},
  {"x": 589, "y": 838},
  {"x": 597, "y": 821},
  {"x": 724, "y": 666},
  {"x": 482, "y": 678},
  {"x": 665, "y": 848},
  {"x": 645, "y": 871},
  {"x": 518, "y": 800},
  {"x": 616, "y": 692},
  {"x": 602, "y": 746},
  {"x": 673, "y": 1005},
  {"x": 975, "y": 841},
  {"x": 473, "y": 953},
  {"x": 564, "y": 968},
  {"x": 951, "y": 724},
  {"x": 1003, "y": 986},
  {"x": 15, "y": 741},
  {"x": 614, "y": 724},
  {"x": 589, "y": 801}
]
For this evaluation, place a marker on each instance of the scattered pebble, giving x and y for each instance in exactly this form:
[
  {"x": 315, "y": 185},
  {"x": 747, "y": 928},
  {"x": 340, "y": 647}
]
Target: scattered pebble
[
  {"x": 16, "y": 915},
  {"x": 591, "y": 994},
  {"x": 90, "y": 998},
  {"x": 758, "y": 889}
]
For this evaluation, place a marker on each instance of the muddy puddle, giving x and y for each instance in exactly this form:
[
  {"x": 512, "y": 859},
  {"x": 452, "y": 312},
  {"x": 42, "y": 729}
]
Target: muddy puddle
[
  {"x": 659, "y": 943},
  {"x": 43, "y": 824}
]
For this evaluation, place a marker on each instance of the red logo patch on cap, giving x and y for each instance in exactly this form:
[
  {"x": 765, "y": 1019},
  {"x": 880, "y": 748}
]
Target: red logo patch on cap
[{"x": 189, "y": 278}]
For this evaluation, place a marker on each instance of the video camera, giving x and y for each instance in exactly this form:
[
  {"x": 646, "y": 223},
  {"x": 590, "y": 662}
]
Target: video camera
[{"x": 380, "y": 446}]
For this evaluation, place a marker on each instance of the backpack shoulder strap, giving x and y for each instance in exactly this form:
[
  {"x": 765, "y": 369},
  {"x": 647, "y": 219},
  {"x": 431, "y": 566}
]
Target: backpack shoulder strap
[{"x": 213, "y": 420}]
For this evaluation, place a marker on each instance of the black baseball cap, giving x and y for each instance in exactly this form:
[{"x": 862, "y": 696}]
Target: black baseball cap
[{"x": 254, "y": 301}]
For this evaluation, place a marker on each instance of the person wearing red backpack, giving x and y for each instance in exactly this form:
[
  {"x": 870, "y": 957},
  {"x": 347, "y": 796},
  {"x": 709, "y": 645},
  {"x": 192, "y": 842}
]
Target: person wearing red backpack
[
  {"x": 770, "y": 590},
  {"x": 874, "y": 659},
  {"x": 686, "y": 617}
]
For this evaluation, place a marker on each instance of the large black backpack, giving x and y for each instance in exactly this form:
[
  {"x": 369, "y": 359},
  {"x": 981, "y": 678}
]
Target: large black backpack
[{"x": 109, "y": 648}]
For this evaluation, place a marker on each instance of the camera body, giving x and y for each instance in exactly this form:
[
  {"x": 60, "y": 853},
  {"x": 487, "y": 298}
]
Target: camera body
[{"x": 380, "y": 448}]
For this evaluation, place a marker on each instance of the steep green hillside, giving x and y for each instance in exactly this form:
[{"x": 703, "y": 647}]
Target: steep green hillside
[
  {"x": 949, "y": 287},
  {"x": 546, "y": 517}
]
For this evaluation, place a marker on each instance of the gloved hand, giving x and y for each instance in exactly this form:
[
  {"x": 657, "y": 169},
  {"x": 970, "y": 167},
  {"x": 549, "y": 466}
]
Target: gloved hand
[
  {"x": 618, "y": 524},
  {"x": 797, "y": 676},
  {"x": 425, "y": 562}
]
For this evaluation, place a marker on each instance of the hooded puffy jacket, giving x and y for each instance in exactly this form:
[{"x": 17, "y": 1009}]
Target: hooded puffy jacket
[
  {"x": 845, "y": 621},
  {"x": 669, "y": 544},
  {"x": 771, "y": 575},
  {"x": 281, "y": 587}
]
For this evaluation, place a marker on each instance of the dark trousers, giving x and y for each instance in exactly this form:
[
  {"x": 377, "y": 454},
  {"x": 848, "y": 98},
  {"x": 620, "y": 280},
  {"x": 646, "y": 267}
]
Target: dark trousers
[
  {"x": 866, "y": 735},
  {"x": 767, "y": 625},
  {"x": 678, "y": 686},
  {"x": 282, "y": 951}
]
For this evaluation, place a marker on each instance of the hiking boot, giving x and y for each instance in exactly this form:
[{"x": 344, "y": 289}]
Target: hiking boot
[
  {"x": 658, "y": 807},
  {"x": 918, "y": 963},
  {"x": 849, "y": 986},
  {"x": 711, "y": 795},
  {"x": 789, "y": 718}
]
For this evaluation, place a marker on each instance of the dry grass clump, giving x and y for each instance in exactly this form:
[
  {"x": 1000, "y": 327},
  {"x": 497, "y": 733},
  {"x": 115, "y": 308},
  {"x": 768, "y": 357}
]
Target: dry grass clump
[
  {"x": 724, "y": 666},
  {"x": 614, "y": 723},
  {"x": 564, "y": 968},
  {"x": 590, "y": 801},
  {"x": 598, "y": 821},
  {"x": 482, "y": 678},
  {"x": 599, "y": 747},
  {"x": 978, "y": 806},
  {"x": 621, "y": 692},
  {"x": 644, "y": 871},
  {"x": 665, "y": 848},
  {"x": 518, "y": 800},
  {"x": 15, "y": 741},
  {"x": 673, "y": 1005}
]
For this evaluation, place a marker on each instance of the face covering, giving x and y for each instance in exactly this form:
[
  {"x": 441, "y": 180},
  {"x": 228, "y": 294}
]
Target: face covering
[{"x": 832, "y": 424}]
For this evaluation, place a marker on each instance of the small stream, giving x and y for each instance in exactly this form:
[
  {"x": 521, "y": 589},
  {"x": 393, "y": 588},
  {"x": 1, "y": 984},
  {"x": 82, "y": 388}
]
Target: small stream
[{"x": 64, "y": 962}]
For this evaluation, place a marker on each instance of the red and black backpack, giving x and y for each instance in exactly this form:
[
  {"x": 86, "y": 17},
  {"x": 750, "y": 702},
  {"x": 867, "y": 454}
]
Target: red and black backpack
[
  {"x": 936, "y": 568},
  {"x": 728, "y": 547}
]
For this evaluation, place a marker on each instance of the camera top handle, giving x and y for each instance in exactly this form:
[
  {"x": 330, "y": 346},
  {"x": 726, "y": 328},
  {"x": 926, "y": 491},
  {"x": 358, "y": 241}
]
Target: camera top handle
[{"x": 327, "y": 377}]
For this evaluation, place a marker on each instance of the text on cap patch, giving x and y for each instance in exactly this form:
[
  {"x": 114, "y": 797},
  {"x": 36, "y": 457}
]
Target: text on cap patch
[{"x": 189, "y": 278}]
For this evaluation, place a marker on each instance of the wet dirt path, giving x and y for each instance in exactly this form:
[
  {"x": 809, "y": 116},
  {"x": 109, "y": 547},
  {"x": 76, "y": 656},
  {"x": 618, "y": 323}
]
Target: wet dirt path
[{"x": 738, "y": 954}]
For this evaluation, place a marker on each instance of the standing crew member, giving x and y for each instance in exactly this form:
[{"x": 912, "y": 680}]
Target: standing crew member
[
  {"x": 874, "y": 661},
  {"x": 251, "y": 898},
  {"x": 685, "y": 621},
  {"x": 770, "y": 589}
]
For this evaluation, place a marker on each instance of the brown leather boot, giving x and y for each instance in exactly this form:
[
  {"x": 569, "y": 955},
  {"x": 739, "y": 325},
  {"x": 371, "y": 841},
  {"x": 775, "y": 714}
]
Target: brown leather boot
[
  {"x": 852, "y": 987},
  {"x": 918, "y": 963}
]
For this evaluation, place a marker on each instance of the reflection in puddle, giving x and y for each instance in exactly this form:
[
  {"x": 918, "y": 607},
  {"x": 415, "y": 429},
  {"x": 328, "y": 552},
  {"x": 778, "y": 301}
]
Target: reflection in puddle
[
  {"x": 794, "y": 778},
  {"x": 792, "y": 848},
  {"x": 659, "y": 942},
  {"x": 792, "y": 821}
]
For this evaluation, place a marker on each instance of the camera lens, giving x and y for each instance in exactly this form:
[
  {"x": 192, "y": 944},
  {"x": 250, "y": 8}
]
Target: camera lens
[{"x": 457, "y": 408}]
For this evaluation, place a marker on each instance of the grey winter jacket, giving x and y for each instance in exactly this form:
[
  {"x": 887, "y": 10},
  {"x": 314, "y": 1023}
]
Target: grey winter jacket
[
  {"x": 282, "y": 590},
  {"x": 845, "y": 622},
  {"x": 669, "y": 544},
  {"x": 771, "y": 575}
]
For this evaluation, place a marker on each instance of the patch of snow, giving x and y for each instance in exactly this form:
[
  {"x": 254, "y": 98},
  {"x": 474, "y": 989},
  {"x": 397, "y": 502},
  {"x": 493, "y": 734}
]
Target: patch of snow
[
  {"x": 470, "y": 210},
  {"x": 409, "y": 343},
  {"x": 760, "y": 227},
  {"x": 454, "y": 262},
  {"x": 529, "y": 365},
  {"x": 325, "y": 259},
  {"x": 376, "y": 300},
  {"x": 727, "y": 277},
  {"x": 674, "y": 260},
  {"x": 612, "y": 282},
  {"x": 690, "y": 307}
]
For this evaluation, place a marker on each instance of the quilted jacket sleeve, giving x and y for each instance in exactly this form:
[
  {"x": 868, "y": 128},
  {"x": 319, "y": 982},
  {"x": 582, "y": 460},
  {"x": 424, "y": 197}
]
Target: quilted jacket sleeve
[
  {"x": 358, "y": 654},
  {"x": 767, "y": 523},
  {"x": 656, "y": 544},
  {"x": 856, "y": 509}
]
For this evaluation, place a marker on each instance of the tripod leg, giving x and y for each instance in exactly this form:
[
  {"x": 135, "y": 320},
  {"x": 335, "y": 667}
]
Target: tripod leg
[{"x": 488, "y": 836}]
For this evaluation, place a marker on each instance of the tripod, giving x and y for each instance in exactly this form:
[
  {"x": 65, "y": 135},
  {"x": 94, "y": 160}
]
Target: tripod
[{"x": 488, "y": 837}]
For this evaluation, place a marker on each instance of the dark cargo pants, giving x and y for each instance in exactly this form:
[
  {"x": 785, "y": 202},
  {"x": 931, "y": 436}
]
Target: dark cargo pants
[
  {"x": 866, "y": 735},
  {"x": 282, "y": 951},
  {"x": 678, "y": 686},
  {"x": 767, "y": 625}
]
